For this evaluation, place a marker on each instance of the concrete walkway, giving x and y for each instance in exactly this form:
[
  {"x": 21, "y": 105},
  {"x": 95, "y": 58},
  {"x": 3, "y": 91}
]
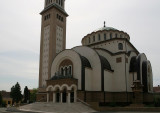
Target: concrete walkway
[{"x": 58, "y": 108}]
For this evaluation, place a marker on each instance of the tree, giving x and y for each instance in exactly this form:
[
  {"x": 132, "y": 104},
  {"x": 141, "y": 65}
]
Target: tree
[
  {"x": 1, "y": 101},
  {"x": 16, "y": 93},
  {"x": 12, "y": 93},
  {"x": 33, "y": 95},
  {"x": 26, "y": 94}
]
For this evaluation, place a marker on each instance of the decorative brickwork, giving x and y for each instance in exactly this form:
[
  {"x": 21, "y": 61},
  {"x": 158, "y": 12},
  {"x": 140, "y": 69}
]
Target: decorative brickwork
[{"x": 68, "y": 81}]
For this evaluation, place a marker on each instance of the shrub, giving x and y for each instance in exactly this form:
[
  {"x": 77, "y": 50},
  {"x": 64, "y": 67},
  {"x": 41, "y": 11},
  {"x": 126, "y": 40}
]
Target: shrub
[{"x": 157, "y": 101}]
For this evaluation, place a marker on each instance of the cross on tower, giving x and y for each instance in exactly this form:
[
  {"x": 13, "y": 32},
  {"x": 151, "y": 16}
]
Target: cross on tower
[{"x": 104, "y": 23}]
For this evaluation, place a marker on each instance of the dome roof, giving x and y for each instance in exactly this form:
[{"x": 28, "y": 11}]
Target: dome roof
[{"x": 105, "y": 28}]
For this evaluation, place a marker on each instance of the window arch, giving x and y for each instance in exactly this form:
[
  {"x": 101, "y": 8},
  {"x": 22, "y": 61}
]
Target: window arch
[
  {"x": 66, "y": 67},
  {"x": 120, "y": 46}
]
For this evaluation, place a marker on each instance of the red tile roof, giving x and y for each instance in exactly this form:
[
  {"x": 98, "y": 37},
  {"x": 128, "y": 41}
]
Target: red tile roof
[
  {"x": 156, "y": 89},
  {"x": 5, "y": 94}
]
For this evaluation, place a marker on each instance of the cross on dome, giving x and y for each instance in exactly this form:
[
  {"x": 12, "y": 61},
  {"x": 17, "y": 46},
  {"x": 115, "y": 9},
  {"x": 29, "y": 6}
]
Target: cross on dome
[{"x": 104, "y": 23}]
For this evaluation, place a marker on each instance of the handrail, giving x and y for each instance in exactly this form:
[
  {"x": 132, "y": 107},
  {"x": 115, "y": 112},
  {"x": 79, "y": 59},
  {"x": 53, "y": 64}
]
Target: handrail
[
  {"x": 41, "y": 99},
  {"x": 83, "y": 102}
]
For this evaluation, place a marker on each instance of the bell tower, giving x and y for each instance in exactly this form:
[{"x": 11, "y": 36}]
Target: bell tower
[{"x": 53, "y": 37}]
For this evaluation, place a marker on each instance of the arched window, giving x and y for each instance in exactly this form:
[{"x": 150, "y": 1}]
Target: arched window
[
  {"x": 93, "y": 38},
  {"x": 70, "y": 70},
  {"x": 61, "y": 2},
  {"x": 110, "y": 35},
  {"x": 99, "y": 37},
  {"x": 62, "y": 73},
  {"x": 104, "y": 36},
  {"x": 116, "y": 35},
  {"x": 66, "y": 71},
  {"x": 120, "y": 46}
]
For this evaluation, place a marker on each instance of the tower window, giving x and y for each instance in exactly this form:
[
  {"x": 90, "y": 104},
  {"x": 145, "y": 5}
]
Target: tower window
[
  {"x": 104, "y": 36},
  {"x": 99, "y": 37},
  {"x": 47, "y": 17},
  {"x": 120, "y": 46},
  {"x": 59, "y": 17}
]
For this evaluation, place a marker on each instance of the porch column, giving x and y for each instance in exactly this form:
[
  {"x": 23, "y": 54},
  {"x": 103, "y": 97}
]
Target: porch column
[
  {"x": 75, "y": 96},
  {"x": 47, "y": 96},
  {"x": 54, "y": 97},
  {"x": 61, "y": 94},
  {"x": 69, "y": 97}
]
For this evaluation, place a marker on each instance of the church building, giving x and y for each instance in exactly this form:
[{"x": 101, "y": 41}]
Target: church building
[{"x": 106, "y": 68}]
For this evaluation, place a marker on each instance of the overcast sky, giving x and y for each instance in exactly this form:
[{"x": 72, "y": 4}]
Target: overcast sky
[{"x": 20, "y": 26}]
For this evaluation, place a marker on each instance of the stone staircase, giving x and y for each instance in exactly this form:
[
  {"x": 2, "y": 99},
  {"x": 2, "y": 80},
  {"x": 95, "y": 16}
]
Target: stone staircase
[{"x": 44, "y": 107}]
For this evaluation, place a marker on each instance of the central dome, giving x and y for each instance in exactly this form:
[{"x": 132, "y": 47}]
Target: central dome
[
  {"x": 105, "y": 28},
  {"x": 103, "y": 34}
]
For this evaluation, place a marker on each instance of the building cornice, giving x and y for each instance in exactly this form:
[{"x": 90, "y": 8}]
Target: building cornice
[{"x": 55, "y": 6}]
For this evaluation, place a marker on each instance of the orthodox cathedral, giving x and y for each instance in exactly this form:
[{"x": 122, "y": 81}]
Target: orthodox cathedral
[{"x": 106, "y": 68}]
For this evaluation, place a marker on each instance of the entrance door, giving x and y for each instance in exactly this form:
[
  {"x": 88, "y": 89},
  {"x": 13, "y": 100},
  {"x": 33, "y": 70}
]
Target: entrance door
[
  {"x": 72, "y": 97},
  {"x": 64, "y": 96},
  {"x": 57, "y": 97}
]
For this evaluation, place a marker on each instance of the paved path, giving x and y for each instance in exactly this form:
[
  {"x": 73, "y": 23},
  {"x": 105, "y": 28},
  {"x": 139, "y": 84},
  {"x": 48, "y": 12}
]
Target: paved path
[
  {"x": 126, "y": 112},
  {"x": 3, "y": 110},
  {"x": 58, "y": 108}
]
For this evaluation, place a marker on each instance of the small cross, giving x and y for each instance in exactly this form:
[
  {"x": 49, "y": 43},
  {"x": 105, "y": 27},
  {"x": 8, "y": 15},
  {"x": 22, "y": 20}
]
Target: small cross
[{"x": 104, "y": 24}]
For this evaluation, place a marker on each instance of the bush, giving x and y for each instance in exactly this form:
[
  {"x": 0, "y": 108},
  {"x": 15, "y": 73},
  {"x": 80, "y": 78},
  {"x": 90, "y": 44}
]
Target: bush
[
  {"x": 157, "y": 101},
  {"x": 4, "y": 104},
  {"x": 113, "y": 104}
]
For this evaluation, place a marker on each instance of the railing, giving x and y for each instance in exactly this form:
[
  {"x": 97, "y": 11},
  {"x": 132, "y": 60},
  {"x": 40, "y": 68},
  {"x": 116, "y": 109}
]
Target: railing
[
  {"x": 41, "y": 99},
  {"x": 83, "y": 102}
]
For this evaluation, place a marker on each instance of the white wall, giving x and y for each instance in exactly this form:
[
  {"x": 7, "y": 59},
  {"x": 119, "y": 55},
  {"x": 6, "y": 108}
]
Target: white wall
[
  {"x": 94, "y": 60},
  {"x": 108, "y": 81},
  {"x": 111, "y": 46},
  {"x": 88, "y": 79}
]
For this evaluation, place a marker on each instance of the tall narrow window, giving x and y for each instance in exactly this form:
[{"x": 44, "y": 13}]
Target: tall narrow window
[
  {"x": 104, "y": 36},
  {"x": 66, "y": 71},
  {"x": 120, "y": 46},
  {"x": 120, "y": 36},
  {"x": 62, "y": 71},
  {"x": 110, "y": 35},
  {"x": 99, "y": 37},
  {"x": 89, "y": 40},
  {"x": 116, "y": 35},
  {"x": 93, "y": 38},
  {"x": 70, "y": 70},
  {"x": 61, "y": 2}
]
